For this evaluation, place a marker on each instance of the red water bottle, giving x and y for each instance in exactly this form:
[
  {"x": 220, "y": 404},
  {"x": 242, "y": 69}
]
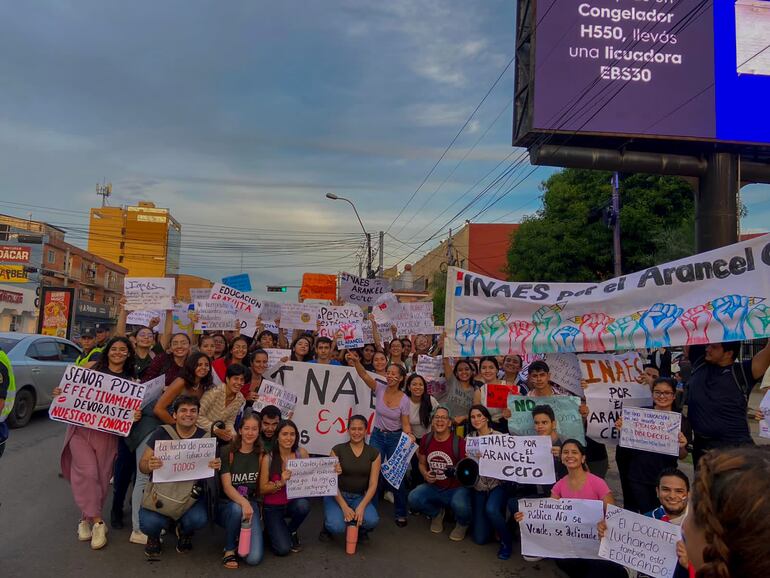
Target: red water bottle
[
  {"x": 351, "y": 538},
  {"x": 244, "y": 540}
]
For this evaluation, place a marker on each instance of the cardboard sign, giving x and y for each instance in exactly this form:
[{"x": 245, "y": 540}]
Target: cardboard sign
[
  {"x": 318, "y": 286},
  {"x": 303, "y": 316},
  {"x": 497, "y": 394},
  {"x": 386, "y": 308},
  {"x": 429, "y": 367},
  {"x": 360, "y": 290},
  {"x": 395, "y": 467},
  {"x": 247, "y": 306},
  {"x": 327, "y": 395},
  {"x": 566, "y": 408},
  {"x": 613, "y": 382},
  {"x": 96, "y": 400},
  {"x": 273, "y": 394},
  {"x": 311, "y": 478},
  {"x": 184, "y": 459},
  {"x": 145, "y": 317},
  {"x": 562, "y": 528},
  {"x": 651, "y": 430},
  {"x": 215, "y": 315},
  {"x": 241, "y": 282},
  {"x": 565, "y": 371},
  {"x": 342, "y": 324},
  {"x": 275, "y": 355},
  {"x": 182, "y": 322},
  {"x": 199, "y": 294},
  {"x": 149, "y": 293},
  {"x": 415, "y": 318},
  {"x": 643, "y": 544},
  {"x": 153, "y": 390},
  {"x": 523, "y": 459},
  {"x": 270, "y": 314}
]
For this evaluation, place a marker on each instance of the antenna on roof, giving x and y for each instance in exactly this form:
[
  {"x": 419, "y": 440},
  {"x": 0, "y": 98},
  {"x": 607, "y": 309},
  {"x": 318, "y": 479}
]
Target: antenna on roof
[{"x": 105, "y": 190}]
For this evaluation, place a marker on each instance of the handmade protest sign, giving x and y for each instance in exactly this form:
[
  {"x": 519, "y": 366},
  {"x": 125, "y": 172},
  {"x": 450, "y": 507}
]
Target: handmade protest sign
[
  {"x": 311, "y": 478},
  {"x": 186, "y": 459},
  {"x": 215, "y": 315},
  {"x": 153, "y": 389},
  {"x": 383, "y": 328},
  {"x": 248, "y": 307},
  {"x": 318, "y": 286},
  {"x": 360, "y": 290},
  {"x": 712, "y": 297},
  {"x": 199, "y": 294},
  {"x": 651, "y": 430},
  {"x": 96, "y": 400},
  {"x": 566, "y": 408},
  {"x": 145, "y": 318},
  {"x": 271, "y": 312},
  {"x": 613, "y": 382},
  {"x": 437, "y": 387},
  {"x": 562, "y": 528},
  {"x": 429, "y": 367},
  {"x": 523, "y": 459},
  {"x": 386, "y": 308},
  {"x": 497, "y": 394},
  {"x": 149, "y": 293},
  {"x": 302, "y": 316},
  {"x": 241, "y": 282},
  {"x": 641, "y": 543},
  {"x": 342, "y": 324},
  {"x": 182, "y": 321},
  {"x": 395, "y": 467},
  {"x": 273, "y": 394},
  {"x": 327, "y": 395},
  {"x": 565, "y": 371},
  {"x": 415, "y": 318},
  {"x": 275, "y": 355},
  {"x": 764, "y": 425},
  {"x": 472, "y": 448}
]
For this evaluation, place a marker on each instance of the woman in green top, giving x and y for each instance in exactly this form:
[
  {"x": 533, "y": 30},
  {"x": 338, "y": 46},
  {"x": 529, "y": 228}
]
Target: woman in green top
[
  {"x": 240, "y": 482},
  {"x": 357, "y": 484}
]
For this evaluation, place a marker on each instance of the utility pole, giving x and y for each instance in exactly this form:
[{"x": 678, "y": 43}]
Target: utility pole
[
  {"x": 369, "y": 273},
  {"x": 381, "y": 269},
  {"x": 450, "y": 261},
  {"x": 616, "y": 223}
]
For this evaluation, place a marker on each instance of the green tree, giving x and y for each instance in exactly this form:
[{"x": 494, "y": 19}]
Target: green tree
[
  {"x": 567, "y": 241},
  {"x": 438, "y": 291}
]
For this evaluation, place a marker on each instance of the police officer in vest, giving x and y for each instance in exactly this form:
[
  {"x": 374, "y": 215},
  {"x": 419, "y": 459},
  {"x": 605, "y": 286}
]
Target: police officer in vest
[
  {"x": 91, "y": 352},
  {"x": 7, "y": 395}
]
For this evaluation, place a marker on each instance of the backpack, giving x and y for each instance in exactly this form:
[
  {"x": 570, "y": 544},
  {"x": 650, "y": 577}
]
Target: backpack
[
  {"x": 455, "y": 445},
  {"x": 172, "y": 499}
]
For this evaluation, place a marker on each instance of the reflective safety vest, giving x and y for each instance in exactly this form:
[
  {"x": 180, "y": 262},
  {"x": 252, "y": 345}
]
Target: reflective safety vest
[
  {"x": 11, "y": 395},
  {"x": 84, "y": 360}
]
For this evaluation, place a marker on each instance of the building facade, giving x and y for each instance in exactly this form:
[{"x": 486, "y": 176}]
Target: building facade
[
  {"x": 48, "y": 260},
  {"x": 144, "y": 239},
  {"x": 186, "y": 282}
]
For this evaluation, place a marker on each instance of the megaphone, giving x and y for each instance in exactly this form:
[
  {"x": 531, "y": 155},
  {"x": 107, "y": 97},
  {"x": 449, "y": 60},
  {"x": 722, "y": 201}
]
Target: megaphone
[{"x": 466, "y": 472}]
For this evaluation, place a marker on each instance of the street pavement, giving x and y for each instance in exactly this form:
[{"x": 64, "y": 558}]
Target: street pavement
[{"x": 38, "y": 520}]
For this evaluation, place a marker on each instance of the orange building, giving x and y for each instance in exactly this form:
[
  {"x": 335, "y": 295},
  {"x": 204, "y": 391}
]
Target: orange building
[{"x": 186, "y": 282}]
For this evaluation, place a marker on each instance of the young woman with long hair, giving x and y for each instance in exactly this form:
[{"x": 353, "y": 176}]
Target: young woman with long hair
[
  {"x": 421, "y": 406},
  {"x": 237, "y": 353}
]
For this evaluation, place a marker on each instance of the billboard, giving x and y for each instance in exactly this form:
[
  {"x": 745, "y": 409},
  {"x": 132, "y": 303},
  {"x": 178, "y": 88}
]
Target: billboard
[
  {"x": 673, "y": 69},
  {"x": 56, "y": 311}
]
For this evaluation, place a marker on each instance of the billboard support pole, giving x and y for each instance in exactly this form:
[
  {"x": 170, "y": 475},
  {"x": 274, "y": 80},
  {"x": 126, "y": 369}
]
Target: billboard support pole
[{"x": 716, "y": 203}]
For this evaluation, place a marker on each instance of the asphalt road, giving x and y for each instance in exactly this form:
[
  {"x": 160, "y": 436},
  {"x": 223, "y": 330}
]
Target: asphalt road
[{"x": 38, "y": 521}]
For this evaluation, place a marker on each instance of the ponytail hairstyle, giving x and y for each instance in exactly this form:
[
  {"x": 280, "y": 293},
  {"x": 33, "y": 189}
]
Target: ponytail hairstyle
[
  {"x": 731, "y": 506},
  {"x": 426, "y": 406},
  {"x": 248, "y": 414}
]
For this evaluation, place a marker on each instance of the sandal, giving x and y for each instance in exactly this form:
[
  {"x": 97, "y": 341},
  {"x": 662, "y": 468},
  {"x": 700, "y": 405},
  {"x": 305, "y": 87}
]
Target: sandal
[{"x": 230, "y": 561}]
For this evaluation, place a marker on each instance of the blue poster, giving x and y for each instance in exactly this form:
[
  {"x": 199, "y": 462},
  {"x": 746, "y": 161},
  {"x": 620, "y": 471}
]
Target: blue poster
[{"x": 240, "y": 282}]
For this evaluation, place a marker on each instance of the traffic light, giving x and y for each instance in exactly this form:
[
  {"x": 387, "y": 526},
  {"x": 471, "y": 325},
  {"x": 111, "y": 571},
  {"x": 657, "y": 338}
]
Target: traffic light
[{"x": 276, "y": 288}]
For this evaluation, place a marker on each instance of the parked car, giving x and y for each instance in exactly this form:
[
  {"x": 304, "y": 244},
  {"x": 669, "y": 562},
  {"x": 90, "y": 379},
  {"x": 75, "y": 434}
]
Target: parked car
[{"x": 38, "y": 363}]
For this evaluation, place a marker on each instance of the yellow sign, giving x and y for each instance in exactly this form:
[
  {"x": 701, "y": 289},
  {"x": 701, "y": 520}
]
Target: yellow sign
[{"x": 13, "y": 274}]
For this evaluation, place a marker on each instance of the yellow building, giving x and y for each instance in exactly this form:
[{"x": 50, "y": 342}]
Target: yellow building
[{"x": 144, "y": 239}]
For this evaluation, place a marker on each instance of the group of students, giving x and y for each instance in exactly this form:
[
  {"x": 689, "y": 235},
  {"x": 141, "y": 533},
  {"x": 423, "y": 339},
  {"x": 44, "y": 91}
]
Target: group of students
[{"x": 210, "y": 389}]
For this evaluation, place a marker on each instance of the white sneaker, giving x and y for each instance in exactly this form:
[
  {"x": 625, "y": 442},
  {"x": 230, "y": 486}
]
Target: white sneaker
[
  {"x": 458, "y": 534},
  {"x": 437, "y": 522},
  {"x": 99, "y": 538},
  {"x": 84, "y": 531},
  {"x": 138, "y": 538},
  {"x": 532, "y": 558},
  {"x": 388, "y": 497}
]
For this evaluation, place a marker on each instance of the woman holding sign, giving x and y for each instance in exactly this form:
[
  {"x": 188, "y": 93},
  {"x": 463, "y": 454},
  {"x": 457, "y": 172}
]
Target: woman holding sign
[
  {"x": 273, "y": 475},
  {"x": 88, "y": 455},
  {"x": 258, "y": 367},
  {"x": 421, "y": 407},
  {"x": 461, "y": 389},
  {"x": 391, "y": 418},
  {"x": 302, "y": 348},
  {"x": 240, "y": 484},
  {"x": 489, "y": 369},
  {"x": 236, "y": 353},
  {"x": 357, "y": 484}
]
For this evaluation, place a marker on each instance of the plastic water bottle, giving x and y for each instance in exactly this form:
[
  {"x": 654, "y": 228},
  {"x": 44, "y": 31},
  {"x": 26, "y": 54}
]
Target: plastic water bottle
[
  {"x": 351, "y": 538},
  {"x": 244, "y": 540}
]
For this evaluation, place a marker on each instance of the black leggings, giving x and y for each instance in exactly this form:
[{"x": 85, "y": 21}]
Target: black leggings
[{"x": 577, "y": 568}]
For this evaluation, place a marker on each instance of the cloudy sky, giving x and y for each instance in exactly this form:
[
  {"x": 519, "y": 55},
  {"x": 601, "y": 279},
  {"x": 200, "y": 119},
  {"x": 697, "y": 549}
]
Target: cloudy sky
[{"x": 241, "y": 115}]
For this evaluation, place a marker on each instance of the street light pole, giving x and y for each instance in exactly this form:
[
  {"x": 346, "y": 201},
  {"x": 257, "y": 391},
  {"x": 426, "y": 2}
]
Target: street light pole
[{"x": 367, "y": 236}]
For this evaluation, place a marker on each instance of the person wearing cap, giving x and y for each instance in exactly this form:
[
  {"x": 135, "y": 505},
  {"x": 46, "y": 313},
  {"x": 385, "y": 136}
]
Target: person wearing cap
[
  {"x": 91, "y": 352},
  {"x": 102, "y": 334}
]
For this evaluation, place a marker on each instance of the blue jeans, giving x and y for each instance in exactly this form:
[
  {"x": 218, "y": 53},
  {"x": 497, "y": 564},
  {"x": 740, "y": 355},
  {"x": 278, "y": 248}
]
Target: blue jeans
[
  {"x": 151, "y": 523},
  {"x": 430, "y": 500},
  {"x": 229, "y": 516},
  {"x": 488, "y": 514},
  {"x": 276, "y": 528},
  {"x": 334, "y": 521},
  {"x": 385, "y": 442}
]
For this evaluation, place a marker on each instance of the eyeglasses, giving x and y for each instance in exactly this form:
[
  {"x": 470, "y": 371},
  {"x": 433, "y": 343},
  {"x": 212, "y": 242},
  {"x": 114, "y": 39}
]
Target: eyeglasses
[
  {"x": 662, "y": 393},
  {"x": 440, "y": 418}
]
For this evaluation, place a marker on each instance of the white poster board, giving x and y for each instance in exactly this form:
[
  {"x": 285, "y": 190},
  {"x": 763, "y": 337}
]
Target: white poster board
[
  {"x": 149, "y": 293},
  {"x": 523, "y": 459},
  {"x": 562, "y": 528},
  {"x": 271, "y": 393},
  {"x": 651, "y": 430},
  {"x": 311, "y": 478},
  {"x": 303, "y": 316},
  {"x": 186, "y": 459},
  {"x": 395, "y": 467}
]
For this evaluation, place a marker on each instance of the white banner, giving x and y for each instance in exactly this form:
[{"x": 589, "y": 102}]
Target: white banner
[
  {"x": 613, "y": 382},
  {"x": 395, "y": 467},
  {"x": 273, "y": 394},
  {"x": 186, "y": 459},
  {"x": 215, "y": 315},
  {"x": 362, "y": 291},
  {"x": 96, "y": 400},
  {"x": 302, "y": 316},
  {"x": 711, "y": 297},
  {"x": 327, "y": 395},
  {"x": 641, "y": 543},
  {"x": 429, "y": 367},
  {"x": 149, "y": 293},
  {"x": 523, "y": 459},
  {"x": 651, "y": 430},
  {"x": 565, "y": 371},
  {"x": 311, "y": 478},
  {"x": 247, "y": 306},
  {"x": 560, "y": 528}
]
